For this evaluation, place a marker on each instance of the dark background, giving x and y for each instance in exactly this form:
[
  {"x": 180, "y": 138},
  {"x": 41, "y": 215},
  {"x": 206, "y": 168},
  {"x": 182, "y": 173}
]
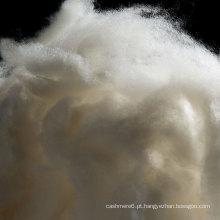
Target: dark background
[{"x": 21, "y": 19}]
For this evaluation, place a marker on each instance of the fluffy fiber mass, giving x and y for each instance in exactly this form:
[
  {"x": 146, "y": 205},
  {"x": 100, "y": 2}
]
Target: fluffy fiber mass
[{"x": 108, "y": 108}]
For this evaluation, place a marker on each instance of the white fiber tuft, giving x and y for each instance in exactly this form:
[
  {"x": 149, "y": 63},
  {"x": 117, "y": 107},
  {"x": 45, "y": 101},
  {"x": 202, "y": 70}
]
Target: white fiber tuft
[{"x": 108, "y": 108}]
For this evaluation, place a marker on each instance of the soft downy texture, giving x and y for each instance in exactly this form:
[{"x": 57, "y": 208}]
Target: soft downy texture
[{"x": 108, "y": 108}]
